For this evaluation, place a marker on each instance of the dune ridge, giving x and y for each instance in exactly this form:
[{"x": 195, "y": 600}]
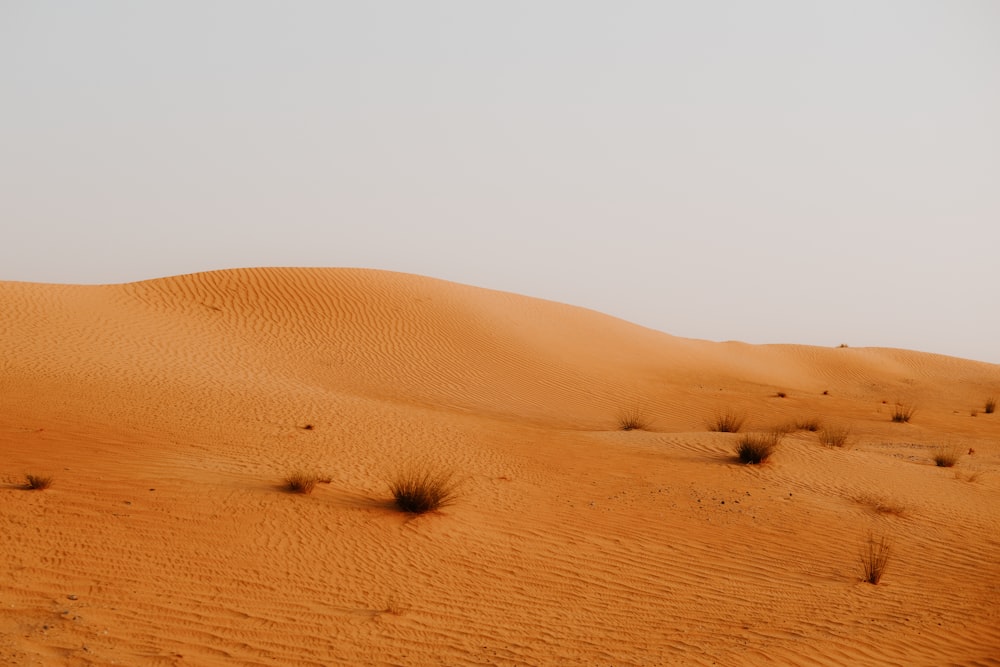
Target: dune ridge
[{"x": 168, "y": 412}]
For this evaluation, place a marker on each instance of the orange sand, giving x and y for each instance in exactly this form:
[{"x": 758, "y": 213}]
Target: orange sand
[{"x": 169, "y": 411}]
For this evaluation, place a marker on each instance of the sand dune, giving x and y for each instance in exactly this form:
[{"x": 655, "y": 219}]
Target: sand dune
[{"x": 169, "y": 411}]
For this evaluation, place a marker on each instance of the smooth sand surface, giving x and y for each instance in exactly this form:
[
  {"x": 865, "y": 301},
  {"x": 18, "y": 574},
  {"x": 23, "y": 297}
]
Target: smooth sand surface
[{"x": 169, "y": 411}]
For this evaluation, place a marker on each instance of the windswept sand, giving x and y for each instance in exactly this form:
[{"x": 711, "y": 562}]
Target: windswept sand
[{"x": 169, "y": 411}]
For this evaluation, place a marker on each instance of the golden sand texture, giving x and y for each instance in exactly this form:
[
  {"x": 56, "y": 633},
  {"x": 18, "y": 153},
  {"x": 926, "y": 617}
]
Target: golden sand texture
[{"x": 170, "y": 412}]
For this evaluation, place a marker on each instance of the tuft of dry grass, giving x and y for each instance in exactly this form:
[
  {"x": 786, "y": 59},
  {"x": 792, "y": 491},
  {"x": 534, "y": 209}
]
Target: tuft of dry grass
[
  {"x": 902, "y": 412},
  {"x": 834, "y": 436},
  {"x": 785, "y": 428},
  {"x": 301, "y": 482},
  {"x": 991, "y": 405},
  {"x": 947, "y": 457},
  {"x": 875, "y": 557},
  {"x": 756, "y": 448},
  {"x": 633, "y": 420},
  {"x": 808, "y": 424},
  {"x": 37, "y": 482},
  {"x": 727, "y": 422},
  {"x": 419, "y": 490}
]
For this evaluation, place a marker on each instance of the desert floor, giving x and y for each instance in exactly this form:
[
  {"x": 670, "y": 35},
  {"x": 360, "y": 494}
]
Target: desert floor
[{"x": 169, "y": 412}]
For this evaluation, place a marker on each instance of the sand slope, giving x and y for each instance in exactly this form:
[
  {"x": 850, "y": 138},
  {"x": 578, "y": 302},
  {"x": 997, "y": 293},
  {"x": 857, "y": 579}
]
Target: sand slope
[{"x": 169, "y": 411}]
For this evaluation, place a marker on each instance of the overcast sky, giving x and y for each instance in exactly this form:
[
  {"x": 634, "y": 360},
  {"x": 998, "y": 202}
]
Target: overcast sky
[{"x": 770, "y": 171}]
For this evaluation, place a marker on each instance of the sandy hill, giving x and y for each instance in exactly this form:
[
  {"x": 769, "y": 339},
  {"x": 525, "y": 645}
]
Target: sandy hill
[{"x": 168, "y": 412}]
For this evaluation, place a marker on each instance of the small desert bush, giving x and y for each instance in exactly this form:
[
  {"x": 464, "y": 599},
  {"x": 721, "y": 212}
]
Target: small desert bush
[
  {"x": 37, "y": 482},
  {"x": 632, "y": 420},
  {"x": 874, "y": 558},
  {"x": 784, "y": 428},
  {"x": 727, "y": 422},
  {"x": 421, "y": 489},
  {"x": 301, "y": 482},
  {"x": 991, "y": 405},
  {"x": 781, "y": 394},
  {"x": 902, "y": 413},
  {"x": 946, "y": 457},
  {"x": 755, "y": 448},
  {"x": 809, "y": 424},
  {"x": 834, "y": 436}
]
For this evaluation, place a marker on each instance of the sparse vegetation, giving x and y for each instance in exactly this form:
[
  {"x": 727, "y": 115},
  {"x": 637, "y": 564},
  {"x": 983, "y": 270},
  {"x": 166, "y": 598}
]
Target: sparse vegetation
[
  {"x": 756, "y": 448},
  {"x": 785, "y": 428},
  {"x": 37, "y": 482},
  {"x": 301, "y": 482},
  {"x": 632, "y": 420},
  {"x": 781, "y": 394},
  {"x": 727, "y": 422},
  {"x": 902, "y": 412},
  {"x": 946, "y": 457},
  {"x": 811, "y": 424},
  {"x": 991, "y": 405},
  {"x": 874, "y": 558},
  {"x": 834, "y": 436},
  {"x": 419, "y": 490}
]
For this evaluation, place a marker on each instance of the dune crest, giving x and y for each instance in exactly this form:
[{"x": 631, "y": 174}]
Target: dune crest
[{"x": 169, "y": 411}]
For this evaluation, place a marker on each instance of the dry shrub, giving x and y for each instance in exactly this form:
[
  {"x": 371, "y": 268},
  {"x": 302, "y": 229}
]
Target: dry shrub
[
  {"x": 947, "y": 457},
  {"x": 834, "y": 436},
  {"x": 729, "y": 421},
  {"x": 902, "y": 413},
  {"x": 808, "y": 424},
  {"x": 756, "y": 448},
  {"x": 784, "y": 429},
  {"x": 301, "y": 482},
  {"x": 991, "y": 405},
  {"x": 37, "y": 482},
  {"x": 781, "y": 394},
  {"x": 874, "y": 558},
  {"x": 633, "y": 420},
  {"x": 419, "y": 490}
]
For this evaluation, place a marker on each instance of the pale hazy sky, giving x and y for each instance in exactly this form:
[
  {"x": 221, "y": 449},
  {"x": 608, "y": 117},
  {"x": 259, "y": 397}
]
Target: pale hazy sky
[{"x": 768, "y": 171}]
